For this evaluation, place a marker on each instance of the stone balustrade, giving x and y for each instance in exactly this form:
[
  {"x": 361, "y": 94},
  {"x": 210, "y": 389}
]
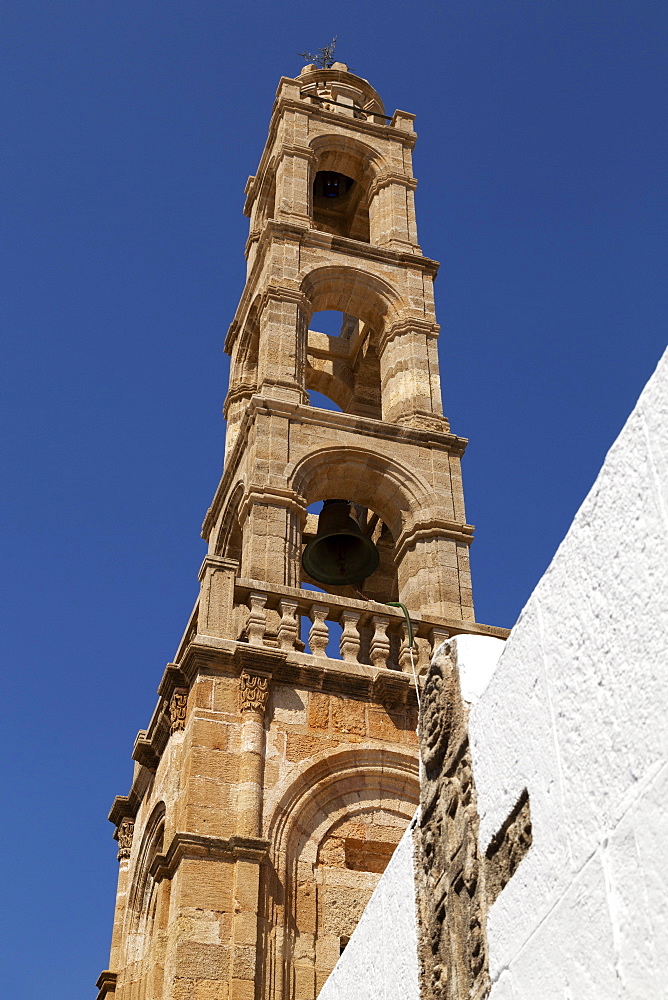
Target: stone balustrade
[{"x": 368, "y": 632}]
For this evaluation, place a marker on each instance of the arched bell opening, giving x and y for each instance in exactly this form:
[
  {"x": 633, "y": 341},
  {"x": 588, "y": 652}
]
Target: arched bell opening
[
  {"x": 340, "y": 183},
  {"x": 340, "y": 206},
  {"x": 346, "y": 540},
  {"x": 342, "y": 362}
]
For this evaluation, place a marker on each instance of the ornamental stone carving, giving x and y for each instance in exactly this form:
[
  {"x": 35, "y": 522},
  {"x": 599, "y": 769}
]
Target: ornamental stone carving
[
  {"x": 124, "y": 835},
  {"x": 254, "y": 691},
  {"x": 452, "y": 947},
  {"x": 178, "y": 705},
  {"x": 456, "y": 886},
  {"x": 507, "y": 848}
]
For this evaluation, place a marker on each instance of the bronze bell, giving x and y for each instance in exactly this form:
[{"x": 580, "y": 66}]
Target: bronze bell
[{"x": 340, "y": 553}]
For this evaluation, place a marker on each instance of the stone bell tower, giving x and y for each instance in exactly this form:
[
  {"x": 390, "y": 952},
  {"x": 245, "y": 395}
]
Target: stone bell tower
[{"x": 275, "y": 778}]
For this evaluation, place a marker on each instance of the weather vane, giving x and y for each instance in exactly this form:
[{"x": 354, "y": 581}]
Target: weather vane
[{"x": 324, "y": 56}]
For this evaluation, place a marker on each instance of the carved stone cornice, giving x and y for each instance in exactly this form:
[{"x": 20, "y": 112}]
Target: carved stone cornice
[
  {"x": 296, "y": 149},
  {"x": 216, "y": 563},
  {"x": 410, "y": 324},
  {"x": 192, "y": 845},
  {"x": 282, "y": 293},
  {"x": 124, "y": 806},
  {"x": 335, "y": 118},
  {"x": 144, "y": 752},
  {"x": 242, "y": 390},
  {"x": 391, "y": 688}
]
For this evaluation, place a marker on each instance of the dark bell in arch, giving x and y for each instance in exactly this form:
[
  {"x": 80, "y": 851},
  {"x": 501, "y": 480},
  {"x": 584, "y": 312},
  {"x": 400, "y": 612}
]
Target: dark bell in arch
[
  {"x": 340, "y": 553},
  {"x": 331, "y": 184}
]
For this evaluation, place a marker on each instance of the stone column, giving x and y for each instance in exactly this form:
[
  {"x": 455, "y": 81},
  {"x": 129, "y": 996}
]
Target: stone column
[
  {"x": 254, "y": 693},
  {"x": 392, "y": 212},
  {"x": 433, "y": 571},
  {"x": 410, "y": 383},
  {"x": 282, "y": 348},
  {"x": 216, "y": 602},
  {"x": 124, "y": 835},
  {"x": 272, "y": 526}
]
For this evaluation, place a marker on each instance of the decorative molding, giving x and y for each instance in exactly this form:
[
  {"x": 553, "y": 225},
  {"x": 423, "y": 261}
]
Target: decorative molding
[
  {"x": 178, "y": 706},
  {"x": 193, "y": 845},
  {"x": 273, "y": 496},
  {"x": 391, "y": 688},
  {"x": 434, "y": 528},
  {"x": 124, "y": 834},
  {"x": 124, "y": 806},
  {"x": 254, "y": 692},
  {"x": 144, "y": 752},
  {"x": 106, "y": 984},
  {"x": 391, "y": 177}
]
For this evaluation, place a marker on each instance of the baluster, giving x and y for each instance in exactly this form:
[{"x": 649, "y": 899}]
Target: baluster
[
  {"x": 288, "y": 629},
  {"x": 405, "y": 651},
  {"x": 256, "y": 622},
  {"x": 318, "y": 636},
  {"x": 379, "y": 650},
  {"x": 350, "y": 637}
]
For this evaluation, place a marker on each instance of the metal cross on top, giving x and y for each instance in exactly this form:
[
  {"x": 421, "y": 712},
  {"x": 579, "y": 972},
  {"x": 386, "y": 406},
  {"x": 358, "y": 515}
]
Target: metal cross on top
[{"x": 324, "y": 57}]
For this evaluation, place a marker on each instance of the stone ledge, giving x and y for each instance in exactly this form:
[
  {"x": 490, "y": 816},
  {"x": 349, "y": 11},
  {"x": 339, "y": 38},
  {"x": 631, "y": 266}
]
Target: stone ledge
[
  {"x": 195, "y": 845},
  {"x": 106, "y": 984}
]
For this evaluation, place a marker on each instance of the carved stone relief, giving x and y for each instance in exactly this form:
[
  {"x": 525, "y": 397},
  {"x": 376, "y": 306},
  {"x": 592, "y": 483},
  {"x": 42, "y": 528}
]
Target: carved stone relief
[
  {"x": 455, "y": 885},
  {"x": 507, "y": 848},
  {"x": 125, "y": 832},
  {"x": 177, "y": 710},
  {"x": 453, "y": 955},
  {"x": 254, "y": 690}
]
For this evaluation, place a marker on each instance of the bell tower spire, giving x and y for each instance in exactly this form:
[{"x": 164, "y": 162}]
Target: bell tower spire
[
  {"x": 332, "y": 227},
  {"x": 278, "y": 772}
]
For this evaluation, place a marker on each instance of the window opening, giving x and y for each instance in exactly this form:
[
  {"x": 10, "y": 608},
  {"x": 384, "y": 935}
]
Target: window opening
[{"x": 340, "y": 206}]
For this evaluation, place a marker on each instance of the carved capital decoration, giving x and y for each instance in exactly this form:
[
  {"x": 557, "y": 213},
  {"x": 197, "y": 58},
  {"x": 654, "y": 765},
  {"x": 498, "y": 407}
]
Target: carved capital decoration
[
  {"x": 254, "y": 691},
  {"x": 124, "y": 833},
  {"x": 178, "y": 705}
]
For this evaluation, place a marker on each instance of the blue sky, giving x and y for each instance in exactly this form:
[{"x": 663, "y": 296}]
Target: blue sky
[{"x": 130, "y": 129}]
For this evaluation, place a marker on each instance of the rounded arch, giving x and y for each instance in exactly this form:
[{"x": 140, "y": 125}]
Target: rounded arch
[
  {"x": 245, "y": 359},
  {"x": 300, "y": 901},
  {"x": 320, "y": 778},
  {"x": 151, "y": 844},
  {"x": 352, "y": 291},
  {"x": 336, "y": 385},
  {"x": 348, "y": 156},
  {"x": 365, "y": 477},
  {"x": 228, "y": 539}
]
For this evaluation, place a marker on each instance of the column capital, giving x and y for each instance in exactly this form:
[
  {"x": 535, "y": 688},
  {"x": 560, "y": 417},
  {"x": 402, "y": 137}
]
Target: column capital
[{"x": 253, "y": 692}]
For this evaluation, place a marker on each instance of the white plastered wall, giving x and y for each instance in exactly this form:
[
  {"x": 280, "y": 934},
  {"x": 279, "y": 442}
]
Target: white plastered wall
[{"x": 577, "y": 712}]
